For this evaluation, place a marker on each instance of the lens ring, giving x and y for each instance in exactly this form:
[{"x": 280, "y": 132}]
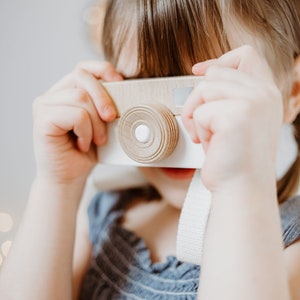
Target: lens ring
[{"x": 162, "y": 135}]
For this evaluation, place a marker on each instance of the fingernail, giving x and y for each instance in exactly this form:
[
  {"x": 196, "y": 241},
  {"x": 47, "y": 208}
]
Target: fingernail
[
  {"x": 196, "y": 68},
  {"x": 109, "y": 112}
]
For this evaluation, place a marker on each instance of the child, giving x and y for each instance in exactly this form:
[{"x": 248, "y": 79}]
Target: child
[{"x": 246, "y": 50}]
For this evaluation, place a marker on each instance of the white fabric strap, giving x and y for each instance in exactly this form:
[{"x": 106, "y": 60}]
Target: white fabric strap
[{"x": 193, "y": 221}]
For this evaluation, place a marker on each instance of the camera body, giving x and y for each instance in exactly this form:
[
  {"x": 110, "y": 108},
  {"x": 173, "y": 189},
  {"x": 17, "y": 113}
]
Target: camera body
[{"x": 148, "y": 130}]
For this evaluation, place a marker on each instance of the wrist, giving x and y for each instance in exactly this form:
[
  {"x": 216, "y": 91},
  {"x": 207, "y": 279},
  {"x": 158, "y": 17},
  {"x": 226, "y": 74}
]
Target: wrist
[
  {"x": 45, "y": 180},
  {"x": 46, "y": 190},
  {"x": 248, "y": 185}
]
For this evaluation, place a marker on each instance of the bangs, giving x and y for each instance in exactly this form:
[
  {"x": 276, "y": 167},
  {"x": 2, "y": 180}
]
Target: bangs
[
  {"x": 119, "y": 28},
  {"x": 170, "y": 36}
]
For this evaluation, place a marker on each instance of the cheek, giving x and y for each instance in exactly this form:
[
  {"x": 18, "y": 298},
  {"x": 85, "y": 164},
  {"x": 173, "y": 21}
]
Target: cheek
[
  {"x": 148, "y": 173},
  {"x": 153, "y": 176}
]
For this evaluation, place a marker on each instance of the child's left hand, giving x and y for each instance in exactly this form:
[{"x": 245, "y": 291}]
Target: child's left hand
[{"x": 236, "y": 113}]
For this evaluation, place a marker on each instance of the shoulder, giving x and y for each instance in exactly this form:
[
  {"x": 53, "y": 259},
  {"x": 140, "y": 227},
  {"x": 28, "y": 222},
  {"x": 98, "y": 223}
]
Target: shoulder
[
  {"x": 290, "y": 212},
  {"x": 102, "y": 210},
  {"x": 101, "y": 204},
  {"x": 290, "y": 220}
]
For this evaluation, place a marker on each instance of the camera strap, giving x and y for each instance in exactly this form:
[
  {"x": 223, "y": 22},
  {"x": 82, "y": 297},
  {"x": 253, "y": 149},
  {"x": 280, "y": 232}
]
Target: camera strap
[
  {"x": 193, "y": 221},
  {"x": 196, "y": 208}
]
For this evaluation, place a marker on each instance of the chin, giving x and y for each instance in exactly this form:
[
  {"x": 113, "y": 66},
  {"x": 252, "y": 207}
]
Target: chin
[
  {"x": 171, "y": 183},
  {"x": 175, "y": 201}
]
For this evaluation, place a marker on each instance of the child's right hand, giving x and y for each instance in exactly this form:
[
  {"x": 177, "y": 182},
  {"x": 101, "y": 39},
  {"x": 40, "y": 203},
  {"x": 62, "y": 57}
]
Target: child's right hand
[
  {"x": 69, "y": 121},
  {"x": 236, "y": 112}
]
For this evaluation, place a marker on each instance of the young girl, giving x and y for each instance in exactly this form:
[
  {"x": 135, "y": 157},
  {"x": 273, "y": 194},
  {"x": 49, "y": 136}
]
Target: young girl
[{"x": 246, "y": 51}]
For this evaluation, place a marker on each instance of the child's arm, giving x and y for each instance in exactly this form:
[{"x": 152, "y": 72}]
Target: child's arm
[
  {"x": 236, "y": 113},
  {"x": 83, "y": 247},
  {"x": 69, "y": 120},
  {"x": 292, "y": 259}
]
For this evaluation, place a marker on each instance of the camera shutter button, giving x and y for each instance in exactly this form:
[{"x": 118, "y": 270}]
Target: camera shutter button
[{"x": 142, "y": 133}]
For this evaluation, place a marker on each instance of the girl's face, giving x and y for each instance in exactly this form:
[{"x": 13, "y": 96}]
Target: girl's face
[{"x": 171, "y": 183}]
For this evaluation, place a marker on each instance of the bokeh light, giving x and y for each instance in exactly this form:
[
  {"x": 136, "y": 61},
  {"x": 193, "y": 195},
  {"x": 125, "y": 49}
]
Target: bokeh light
[
  {"x": 6, "y": 222},
  {"x": 6, "y": 247},
  {"x": 6, "y": 225}
]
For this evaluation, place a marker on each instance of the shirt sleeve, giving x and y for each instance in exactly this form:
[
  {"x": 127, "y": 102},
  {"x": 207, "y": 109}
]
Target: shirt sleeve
[{"x": 99, "y": 214}]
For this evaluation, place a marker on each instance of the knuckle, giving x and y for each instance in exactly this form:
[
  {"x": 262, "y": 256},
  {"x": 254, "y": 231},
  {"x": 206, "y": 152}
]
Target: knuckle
[
  {"x": 212, "y": 72},
  {"x": 205, "y": 90},
  {"x": 238, "y": 116},
  {"x": 247, "y": 109},
  {"x": 36, "y": 104},
  {"x": 78, "y": 73},
  {"x": 42, "y": 122},
  {"x": 248, "y": 49},
  {"x": 83, "y": 116},
  {"x": 38, "y": 100},
  {"x": 80, "y": 65},
  {"x": 81, "y": 95},
  {"x": 107, "y": 66}
]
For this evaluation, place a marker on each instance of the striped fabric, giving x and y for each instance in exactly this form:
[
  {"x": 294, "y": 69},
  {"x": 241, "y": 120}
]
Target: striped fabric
[{"x": 121, "y": 267}]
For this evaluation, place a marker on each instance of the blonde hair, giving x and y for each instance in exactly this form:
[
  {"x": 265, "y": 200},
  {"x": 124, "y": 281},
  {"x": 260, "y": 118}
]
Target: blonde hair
[{"x": 171, "y": 36}]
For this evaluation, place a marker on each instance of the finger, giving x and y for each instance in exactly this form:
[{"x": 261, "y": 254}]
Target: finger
[
  {"x": 79, "y": 98},
  {"x": 190, "y": 128},
  {"x": 59, "y": 121},
  {"x": 101, "y": 70},
  {"x": 83, "y": 80},
  {"x": 229, "y": 76},
  {"x": 244, "y": 58},
  {"x": 216, "y": 117},
  {"x": 219, "y": 116},
  {"x": 86, "y": 76},
  {"x": 199, "y": 69},
  {"x": 98, "y": 69},
  {"x": 214, "y": 90},
  {"x": 200, "y": 132},
  {"x": 207, "y": 91},
  {"x": 198, "y": 127},
  {"x": 193, "y": 101}
]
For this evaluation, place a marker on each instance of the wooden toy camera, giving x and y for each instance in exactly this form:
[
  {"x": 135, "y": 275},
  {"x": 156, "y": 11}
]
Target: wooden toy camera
[{"x": 149, "y": 130}]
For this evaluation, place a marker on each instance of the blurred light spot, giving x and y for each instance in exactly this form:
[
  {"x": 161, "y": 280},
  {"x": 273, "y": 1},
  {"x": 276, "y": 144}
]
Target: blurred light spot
[
  {"x": 6, "y": 222},
  {"x": 6, "y": 247},
  {"x": 1, "y": 260}
]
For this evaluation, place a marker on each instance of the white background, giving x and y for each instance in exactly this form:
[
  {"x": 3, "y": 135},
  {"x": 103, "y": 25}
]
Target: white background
[{"x": 40, "y": 41}]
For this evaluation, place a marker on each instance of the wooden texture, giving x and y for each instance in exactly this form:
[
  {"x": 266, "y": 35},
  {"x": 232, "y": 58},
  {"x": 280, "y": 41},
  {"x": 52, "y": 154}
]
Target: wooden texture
[
  {"x": 161, "y": 137},
  {"x": 129, "y": 93}
]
